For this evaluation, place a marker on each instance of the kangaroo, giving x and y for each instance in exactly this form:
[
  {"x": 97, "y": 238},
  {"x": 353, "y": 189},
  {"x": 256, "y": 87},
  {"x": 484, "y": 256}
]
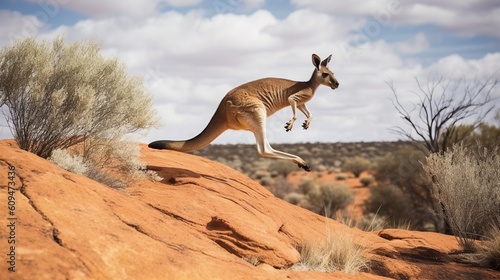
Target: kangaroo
[{"x": 247, "y": 107}]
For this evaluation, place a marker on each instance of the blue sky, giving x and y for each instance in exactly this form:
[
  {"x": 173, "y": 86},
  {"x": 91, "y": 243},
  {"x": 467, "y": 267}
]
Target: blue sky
[{"x": 190, "y": 53}]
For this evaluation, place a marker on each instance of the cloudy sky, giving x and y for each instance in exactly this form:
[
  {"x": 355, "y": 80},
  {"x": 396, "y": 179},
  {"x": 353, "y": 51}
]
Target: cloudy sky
[{"x": 191, "y": 53}]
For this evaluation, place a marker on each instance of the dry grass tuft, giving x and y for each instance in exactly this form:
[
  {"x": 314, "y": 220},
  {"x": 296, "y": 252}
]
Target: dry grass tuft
[
  {"x": 252, "y": 260},
  {"x": 337, "y": 252},
  {"x": 489, "y": 250}
]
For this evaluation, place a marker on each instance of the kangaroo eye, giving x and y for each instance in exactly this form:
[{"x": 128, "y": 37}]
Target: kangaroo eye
[{"x": 324, "y": 75}]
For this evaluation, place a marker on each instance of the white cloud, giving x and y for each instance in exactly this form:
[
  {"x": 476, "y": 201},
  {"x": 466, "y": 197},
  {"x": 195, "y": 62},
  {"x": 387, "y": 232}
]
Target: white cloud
[
  {"x": 455, "y": 66},
  {"x": 465, "y": 17},
  {"x": 189, "y": 61},
  {"x": 14, "y": 26},
  {"x": 306, "y": 27},
  {"x": 176, "y": 38}
]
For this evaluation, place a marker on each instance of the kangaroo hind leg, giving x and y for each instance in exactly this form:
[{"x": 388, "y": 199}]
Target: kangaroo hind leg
[{"x": 256, "y": 123}]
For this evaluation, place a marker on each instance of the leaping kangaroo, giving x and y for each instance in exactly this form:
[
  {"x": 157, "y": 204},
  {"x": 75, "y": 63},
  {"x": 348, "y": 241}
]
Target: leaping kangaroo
[{"x": 246, "y": 107}]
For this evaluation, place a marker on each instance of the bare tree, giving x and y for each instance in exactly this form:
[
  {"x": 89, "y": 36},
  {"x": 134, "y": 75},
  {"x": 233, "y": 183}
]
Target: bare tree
[
  {"x": 442, "y": 105},
  {"x": 435, "y": 120}
]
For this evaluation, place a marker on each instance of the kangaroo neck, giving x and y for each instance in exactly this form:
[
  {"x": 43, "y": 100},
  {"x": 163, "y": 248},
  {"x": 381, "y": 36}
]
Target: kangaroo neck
[{"x": 313, "y": 82}]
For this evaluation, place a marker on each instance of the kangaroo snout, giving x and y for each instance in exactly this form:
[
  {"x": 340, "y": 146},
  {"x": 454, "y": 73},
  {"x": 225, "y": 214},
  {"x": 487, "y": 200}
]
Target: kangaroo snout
[{"x": 334, "y": 84}]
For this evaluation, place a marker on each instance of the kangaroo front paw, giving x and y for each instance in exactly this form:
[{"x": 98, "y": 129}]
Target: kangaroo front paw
[
  {"x": 289, "y": 124},
  {"x": 305, "y": 125}
]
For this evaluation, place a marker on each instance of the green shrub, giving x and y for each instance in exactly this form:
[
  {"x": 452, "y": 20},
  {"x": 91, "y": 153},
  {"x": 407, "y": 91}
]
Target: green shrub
[
  {"x": 279, "y": 187},
  {"x": 282, "y": 167},
  {"x": 340, "y": 177},
  {"x": 356, "y": 165},
  {"x": 402, "y": 167},
  {"x": 294, "y": 198},
  {"x": 328, "y": 198},
  {"x": 59, "y": 96},
  {"x": 266, "y": 180},
  {"x": 306, "y": 185},
  {"x": 366, "y": 181},
  {"x": 389, "y": 202},
  {"x": 259, "y": 174}
]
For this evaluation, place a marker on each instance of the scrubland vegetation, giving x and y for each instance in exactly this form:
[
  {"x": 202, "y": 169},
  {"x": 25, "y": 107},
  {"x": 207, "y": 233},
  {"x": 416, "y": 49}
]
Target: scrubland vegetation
[{"x": 69, "y": 104}]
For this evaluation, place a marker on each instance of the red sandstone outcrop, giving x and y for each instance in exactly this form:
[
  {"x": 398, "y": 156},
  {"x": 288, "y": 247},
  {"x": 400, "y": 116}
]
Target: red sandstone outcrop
[{"x": 199, "y": 222}]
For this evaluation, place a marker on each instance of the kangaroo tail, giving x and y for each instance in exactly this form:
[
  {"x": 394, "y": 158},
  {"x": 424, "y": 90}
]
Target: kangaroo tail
[{"x": 216, "y": 126}]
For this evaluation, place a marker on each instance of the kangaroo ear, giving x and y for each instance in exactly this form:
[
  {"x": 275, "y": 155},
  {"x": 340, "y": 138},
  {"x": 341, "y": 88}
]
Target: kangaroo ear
[
  {"x": 316, "y": 60},
  {"x": 325, "y": 62}
]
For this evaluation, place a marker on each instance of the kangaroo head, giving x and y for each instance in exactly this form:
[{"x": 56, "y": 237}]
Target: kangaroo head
[{"x": 322, "y": 74}]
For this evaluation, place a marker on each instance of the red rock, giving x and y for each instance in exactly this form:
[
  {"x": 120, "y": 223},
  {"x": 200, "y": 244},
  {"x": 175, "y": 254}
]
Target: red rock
[{"x": 199, "y": 222}]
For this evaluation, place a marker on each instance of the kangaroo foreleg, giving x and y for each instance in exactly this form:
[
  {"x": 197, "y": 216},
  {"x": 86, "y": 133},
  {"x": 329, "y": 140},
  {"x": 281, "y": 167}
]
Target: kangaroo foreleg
[{"x": 293, "y": 104}]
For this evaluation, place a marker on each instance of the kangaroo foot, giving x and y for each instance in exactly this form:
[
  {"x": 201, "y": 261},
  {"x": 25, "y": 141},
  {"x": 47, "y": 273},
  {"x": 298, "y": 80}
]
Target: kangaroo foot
[{"x": 304, "y": 166}]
